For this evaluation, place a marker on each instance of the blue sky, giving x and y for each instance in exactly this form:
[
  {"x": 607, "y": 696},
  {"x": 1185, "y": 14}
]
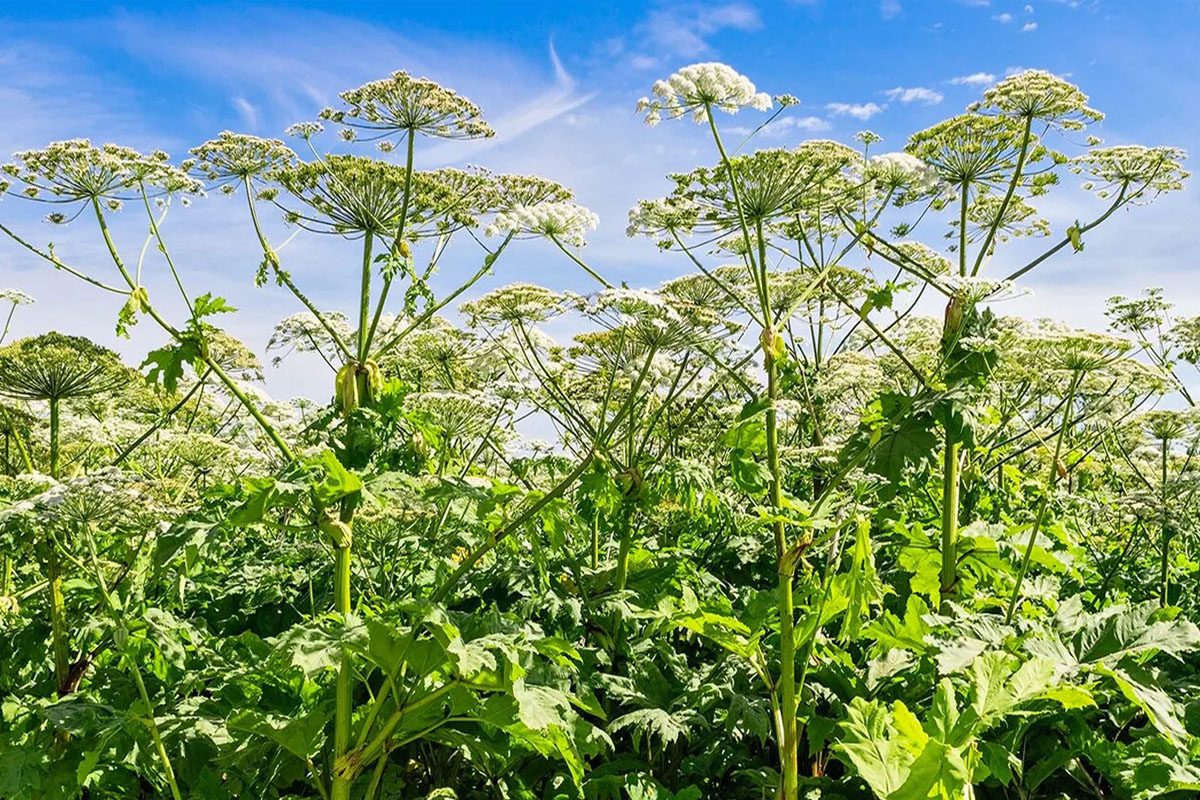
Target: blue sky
[{"x": 558, "y": 81}]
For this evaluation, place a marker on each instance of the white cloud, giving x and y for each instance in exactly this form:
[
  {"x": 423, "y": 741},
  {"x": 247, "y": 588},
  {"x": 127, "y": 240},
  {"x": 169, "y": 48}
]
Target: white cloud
[
  {"x": 1029, "y": 27},
  {"x": 782, "y": 126},
  {"x": 684, "y": 30},
  {"x": 1028, "y": 9},
  {"x": 889, "y": 9},
  {"x": 974, "y": 79},
  {"x": 862, "y": 111},
  {"x": 247, "y": 111},
  {"x": 1004, "y": 18},
  {"x": 916, "y": 94},
  {"x": 641, "y": 62}
]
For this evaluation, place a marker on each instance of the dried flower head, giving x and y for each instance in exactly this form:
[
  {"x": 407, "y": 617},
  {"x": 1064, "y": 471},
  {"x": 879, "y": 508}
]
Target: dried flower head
[
  {"x": 458, "y": 415},
  {"x": 924, "y": 256},
  {"x": 1138, "y": 314},
  {"x": 1185, "y": 334},
  {"x": 901, "y": 172},
  {"x": 1166, "y": 425},
  {"x": 16, "y": 297},
  {"x": 402, "y": 104},
  {"x": 1078, "y": 350},
  {"x": 978, "y": 149},
  {"x": 663, "y": 219},
  {"x": 304, "y": 333},
  {"x": 515, "y": 190},
  {"x": 771, "y": 183},
  {"x": 697, "y": 88}
]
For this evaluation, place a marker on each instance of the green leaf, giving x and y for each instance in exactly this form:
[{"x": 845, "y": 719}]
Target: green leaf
[
  {"x": 336, "y": 481},
  {"x": 206, "y": 306},
  {"x": 872, "y": 744}
]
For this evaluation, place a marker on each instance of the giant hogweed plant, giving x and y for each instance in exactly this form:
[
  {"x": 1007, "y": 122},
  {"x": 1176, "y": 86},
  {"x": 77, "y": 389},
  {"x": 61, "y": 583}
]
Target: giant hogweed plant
[
  {"x": 395, "y": 208},
  {"x": 987, "y": 164},
  {"x": 724, "y": 566}
]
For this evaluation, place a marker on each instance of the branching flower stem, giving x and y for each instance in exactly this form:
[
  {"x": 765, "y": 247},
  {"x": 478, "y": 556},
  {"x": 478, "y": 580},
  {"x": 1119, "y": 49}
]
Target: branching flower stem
[
  {"x": 283, "y": 277},
  {"x": 1051, "y": 480},
  {"x": 469, "y": 562},
  {"x": 221, "y": 374}
]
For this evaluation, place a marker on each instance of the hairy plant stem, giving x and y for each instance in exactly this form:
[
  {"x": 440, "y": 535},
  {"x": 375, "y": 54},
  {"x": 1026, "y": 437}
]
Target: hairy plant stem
[
  {"x": 949, "y": 585},
  {"x": 345, "y": 687},
  {"x": 1165, "y": 530},
  {"x": 1051, "y": 480},
  {"x": 54, "y": 425},
  {"x": 364, "y": 297},
  {"x": 54, "y": 578}
]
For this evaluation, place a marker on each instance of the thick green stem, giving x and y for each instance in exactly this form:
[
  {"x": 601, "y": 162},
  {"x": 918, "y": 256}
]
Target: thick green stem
[
  {"x": 345, "y": 687},
  {"x": 134, "y": 669},
  {"x": 364, "y": 297},
  {"x": 788, "y": 748},
  {"x": 58, "y": 611},
  {"x": 949, "y": 522},
  {"x": 397, "y": 244},
  {"x": 54, "y": 401},
  {"x": 58, "y": 622},
  {"x": 595, "y": 541},
  {"x": 1165, "y": 530}
]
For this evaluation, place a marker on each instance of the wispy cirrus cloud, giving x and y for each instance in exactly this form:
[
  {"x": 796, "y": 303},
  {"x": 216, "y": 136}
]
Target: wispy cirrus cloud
[{"x": 684, "y": 30}]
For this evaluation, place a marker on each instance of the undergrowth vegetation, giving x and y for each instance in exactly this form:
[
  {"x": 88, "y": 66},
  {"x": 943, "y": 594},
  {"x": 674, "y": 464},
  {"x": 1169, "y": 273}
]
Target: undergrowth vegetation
[{"x": 792, "y": 539}]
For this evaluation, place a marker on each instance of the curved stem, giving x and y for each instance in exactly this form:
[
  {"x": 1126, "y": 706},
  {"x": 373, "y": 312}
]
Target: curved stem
[
  {"x": 580, "y": 262},
  {"x": 272, "y": 259}
]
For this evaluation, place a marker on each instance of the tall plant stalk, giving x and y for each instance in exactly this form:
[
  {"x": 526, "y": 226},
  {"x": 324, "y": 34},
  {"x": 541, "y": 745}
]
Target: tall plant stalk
[
  {"x": 1051, "y": 481},
  {"x": 1164, "y": 529},
  {"x": 785, "y": 560},
  {"x": 950, "y": 483}
]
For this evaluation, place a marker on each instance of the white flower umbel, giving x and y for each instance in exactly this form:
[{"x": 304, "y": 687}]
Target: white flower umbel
[
  {"x": 696, "y": 88},
  {"x": 516, "y": 303},
  {"x": 565, "y": 222},
  {"x": 902, "y": 171}
]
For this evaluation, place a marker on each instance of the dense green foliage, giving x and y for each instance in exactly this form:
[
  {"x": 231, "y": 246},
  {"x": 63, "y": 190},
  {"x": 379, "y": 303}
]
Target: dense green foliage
[{"x": 793, "y": 539}]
